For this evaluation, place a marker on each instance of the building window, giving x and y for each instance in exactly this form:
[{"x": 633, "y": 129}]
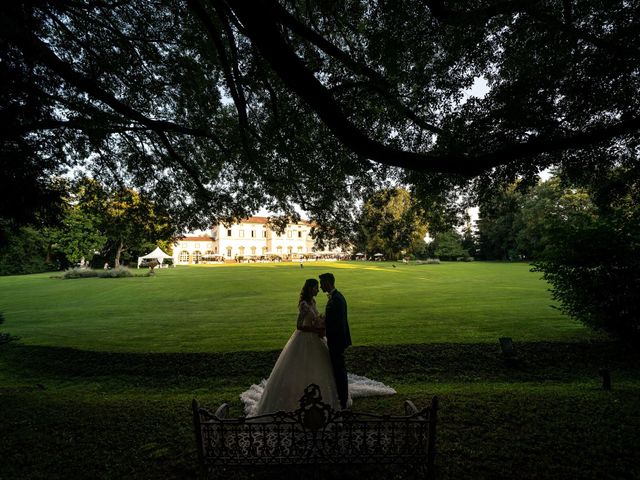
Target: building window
[
  {"x": 289, "y": 234},
  {"x": 264, "y": 234},
  {"x": 299, "y": 234},
  {"x": 264, "y": 250},
  {"x": 241, "y": 250},
  {"x": 228, "y": 252},
  {"x": 289, "y": 250},
  {"x": 228, "y": 232},
  {"x": 299, "y": 249},
  {"x": 279, "y": 250},
  {"x": 184, "y": 257},
  {"x": 197, "y": 256},
  {"x": 241, "y": 232},
  {"x": 253, "y": 233},
  {"x": 196, "y": 246},
  {"x": 253, "y": 250}
]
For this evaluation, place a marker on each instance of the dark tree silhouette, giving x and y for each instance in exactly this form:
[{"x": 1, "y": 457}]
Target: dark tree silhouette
[{"x": 219, "y": 107}]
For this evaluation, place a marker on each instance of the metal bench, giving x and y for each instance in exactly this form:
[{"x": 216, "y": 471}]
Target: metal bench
[{"x": 315, "y": 434}]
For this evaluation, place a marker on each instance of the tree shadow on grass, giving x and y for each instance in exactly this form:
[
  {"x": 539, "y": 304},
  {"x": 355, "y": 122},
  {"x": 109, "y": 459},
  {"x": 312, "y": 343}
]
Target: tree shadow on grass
[
  {"x": 149, "y": 370},
  {"x": 489, "y": 434},
  {"x": 536, "y": 361}
]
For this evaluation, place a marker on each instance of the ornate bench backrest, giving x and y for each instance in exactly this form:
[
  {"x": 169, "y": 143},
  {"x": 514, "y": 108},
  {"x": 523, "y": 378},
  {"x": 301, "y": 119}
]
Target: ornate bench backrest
[{"x": 315, "y": 433}]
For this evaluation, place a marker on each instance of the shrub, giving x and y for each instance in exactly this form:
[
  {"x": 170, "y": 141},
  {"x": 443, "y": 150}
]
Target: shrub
[
  {"x": 428, "y": 261},
  {"x": 23, "y": 251},
  {"x": 592, "y": 259},
  {"x": 5, "y": 337},
  {"x": 448, "y": 246},
  {"x": 600, "y": 290},
  {"x": 146, "y": 263},
  {"x": 79, "y": 272},
  {"x": 118, "y": 272}
]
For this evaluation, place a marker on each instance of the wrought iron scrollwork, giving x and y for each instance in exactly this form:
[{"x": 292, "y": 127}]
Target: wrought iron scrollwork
[
  {"x": 313, "y": 413},
  {"x": 317, "y": 434}
]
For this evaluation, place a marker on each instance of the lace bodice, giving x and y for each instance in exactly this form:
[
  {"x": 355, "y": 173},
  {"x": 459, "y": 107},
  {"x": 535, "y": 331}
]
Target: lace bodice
[{"x": 308, "y": 315}]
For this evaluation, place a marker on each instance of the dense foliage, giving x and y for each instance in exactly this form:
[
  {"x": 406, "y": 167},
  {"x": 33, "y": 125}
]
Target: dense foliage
[
  {"x": 592, "y": 256},
  {"x": 497, "y": 224},
  {"x": 448, "y": 246},
  {"x": 25, "y": 250},
  {"x": 391, "y": 224},
  {"x": 123, "y": 221},
  {"x": 217, "y": 108},
  {"x": 585, "y": 241},
  {"x": 522, "y": 223},
  {"x": 98, "y": 225}
]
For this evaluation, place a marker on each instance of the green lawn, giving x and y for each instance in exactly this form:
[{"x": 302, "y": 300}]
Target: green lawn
[
  {"x": 253, "y": 307},
  {"x": 100, "y": 382}
]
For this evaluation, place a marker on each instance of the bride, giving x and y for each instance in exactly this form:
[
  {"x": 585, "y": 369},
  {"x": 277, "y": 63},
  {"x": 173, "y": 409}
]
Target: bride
[{"x": 304, "y": 360}]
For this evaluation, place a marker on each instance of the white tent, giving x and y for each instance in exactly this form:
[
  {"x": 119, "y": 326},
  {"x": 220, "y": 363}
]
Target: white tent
[{"x": 157, "y": 254}]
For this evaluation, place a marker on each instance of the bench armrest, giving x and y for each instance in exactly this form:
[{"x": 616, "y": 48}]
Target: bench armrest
[
  {"x": 410, "y": 408},
  {"x": 222, "y": 411}
]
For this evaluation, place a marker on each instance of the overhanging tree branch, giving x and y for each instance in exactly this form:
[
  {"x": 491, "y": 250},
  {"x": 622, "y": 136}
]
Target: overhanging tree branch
[
  {"x": 262, "y": 29},
  {"x": 32, "y": 45},
  {"x": 36, "y": 49},
  {"x": 263, "y": 21},
  {"x": 193, "y": 174},
  {"x": 377, "y": 82},
  {"x": 261, "y": 26}
]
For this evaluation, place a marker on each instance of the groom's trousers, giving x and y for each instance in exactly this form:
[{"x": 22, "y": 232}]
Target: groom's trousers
[{"x": 340, "y": 374}]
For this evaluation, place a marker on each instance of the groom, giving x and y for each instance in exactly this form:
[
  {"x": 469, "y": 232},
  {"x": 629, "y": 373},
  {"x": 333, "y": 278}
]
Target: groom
[{"x": 338, "y": 336}]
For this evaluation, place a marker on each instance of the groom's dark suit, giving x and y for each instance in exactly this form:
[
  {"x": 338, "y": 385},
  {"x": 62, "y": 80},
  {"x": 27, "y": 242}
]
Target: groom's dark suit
[{"x": 338, "y": 339}]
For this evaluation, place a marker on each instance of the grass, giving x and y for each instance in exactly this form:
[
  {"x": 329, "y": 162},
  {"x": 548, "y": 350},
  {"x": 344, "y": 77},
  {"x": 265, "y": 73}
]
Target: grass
[
  {"x": 240, "y": 307},
  {"x": 89, "y": 393}
]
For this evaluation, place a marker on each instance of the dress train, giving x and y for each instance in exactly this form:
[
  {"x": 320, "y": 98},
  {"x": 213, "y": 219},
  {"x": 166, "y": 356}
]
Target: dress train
[{"x": 305, "y": 359}]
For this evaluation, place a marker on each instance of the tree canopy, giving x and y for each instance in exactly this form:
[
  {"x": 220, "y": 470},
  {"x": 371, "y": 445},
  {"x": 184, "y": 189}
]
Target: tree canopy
[
  {"x": 217, "y": 108},
  {"x": 97, "y": 225},
  {"x": 390, "y": 223},
  {"x": 585, "y": 241}
]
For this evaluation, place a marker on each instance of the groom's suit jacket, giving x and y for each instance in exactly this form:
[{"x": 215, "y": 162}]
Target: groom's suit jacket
[{"x": 338, "y": 335}]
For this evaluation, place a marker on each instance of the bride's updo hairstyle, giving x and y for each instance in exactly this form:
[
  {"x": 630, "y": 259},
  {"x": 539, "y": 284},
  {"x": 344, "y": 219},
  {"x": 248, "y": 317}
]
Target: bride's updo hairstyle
[{"x": 306, "y": 293}]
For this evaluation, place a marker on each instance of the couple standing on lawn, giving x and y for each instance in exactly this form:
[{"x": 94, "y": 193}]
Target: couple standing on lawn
[{"x": 309, "y": 357}]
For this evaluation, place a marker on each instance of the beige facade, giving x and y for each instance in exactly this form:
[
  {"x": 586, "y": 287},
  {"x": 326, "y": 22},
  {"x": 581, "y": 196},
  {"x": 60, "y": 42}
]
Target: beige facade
[{"x": 250, "y": 240}]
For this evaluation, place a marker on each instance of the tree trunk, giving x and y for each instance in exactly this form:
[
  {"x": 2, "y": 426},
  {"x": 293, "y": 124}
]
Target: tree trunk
[
  {"x": 47, "y": 260},
  {"x": 118, "y": 253}
]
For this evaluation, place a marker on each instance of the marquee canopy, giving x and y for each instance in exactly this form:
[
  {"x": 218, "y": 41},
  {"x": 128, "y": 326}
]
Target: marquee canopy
[{"x": 157, "y": 254}]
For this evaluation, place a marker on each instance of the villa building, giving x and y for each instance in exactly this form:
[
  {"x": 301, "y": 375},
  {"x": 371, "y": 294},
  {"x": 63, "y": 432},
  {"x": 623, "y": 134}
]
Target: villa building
[{"x": 250, "y": 240}]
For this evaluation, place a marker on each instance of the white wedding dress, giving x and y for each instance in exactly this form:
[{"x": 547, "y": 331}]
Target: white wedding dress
[{"x": 304, "y": 360}]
